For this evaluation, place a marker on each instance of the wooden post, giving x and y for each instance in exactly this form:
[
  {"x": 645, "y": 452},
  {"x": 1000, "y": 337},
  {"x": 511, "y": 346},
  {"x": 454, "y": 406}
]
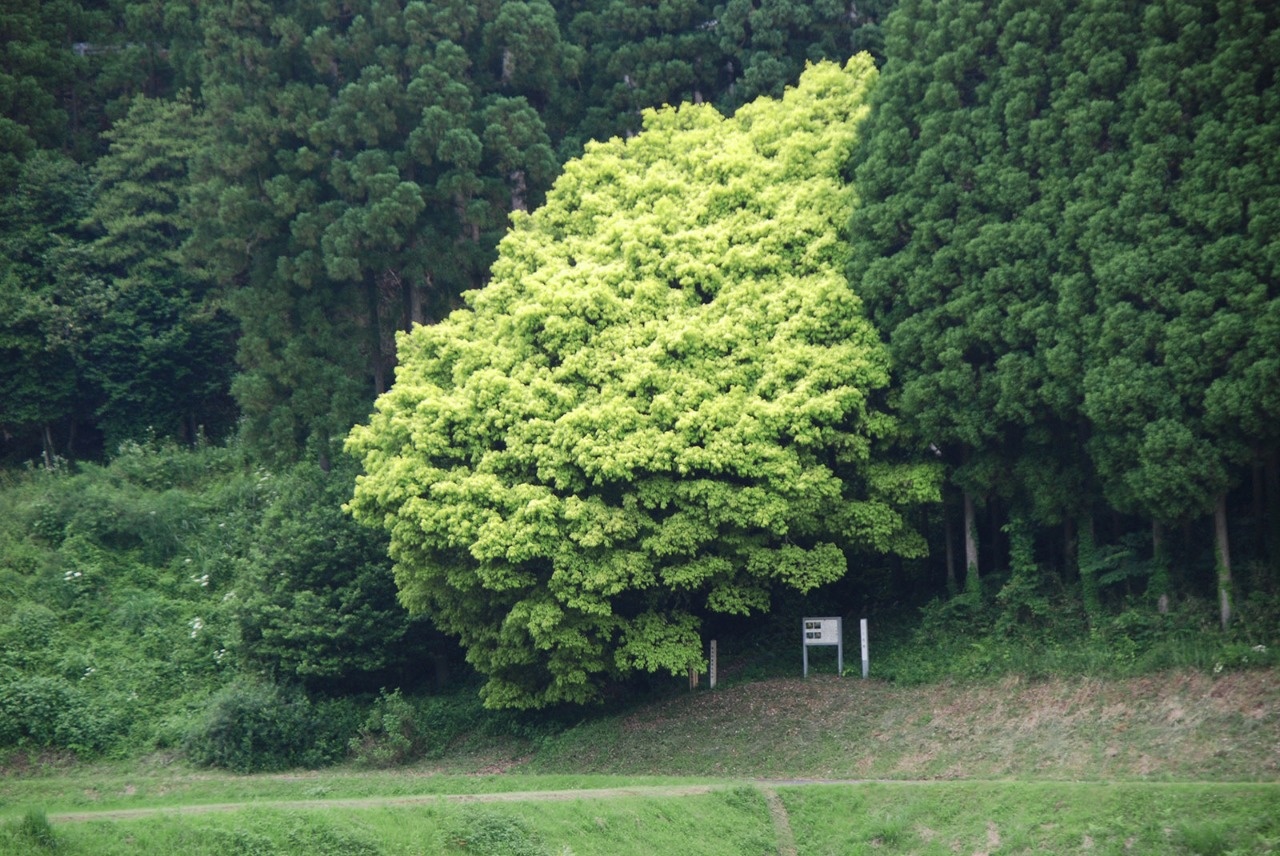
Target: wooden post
[
  {"x": 712, "y": 675},
  {"x": 693, "y": 678}
]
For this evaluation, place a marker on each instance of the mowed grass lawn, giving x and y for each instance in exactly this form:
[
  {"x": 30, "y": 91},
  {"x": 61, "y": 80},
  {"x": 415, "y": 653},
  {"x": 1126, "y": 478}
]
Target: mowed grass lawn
[
  {"x": 730, "y": 819},
  {"x": 1179, "y": 764}
]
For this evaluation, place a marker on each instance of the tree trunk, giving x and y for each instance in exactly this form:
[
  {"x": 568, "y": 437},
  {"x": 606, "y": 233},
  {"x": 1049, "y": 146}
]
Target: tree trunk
[
  {"x": 1160, "y": 576},
  {"x": 1068, "y": 547},
  {"x": 377, "y": 364},
  {"x": 972, "y": 582},
  {"x": 519, "y": 187},
  {"x": 993, "y": 511},
  {"x": 949, "y": 530},
  {"x": 1259, "y": 510},
  {"x": 1088, "y": 567},
  {"x": 508, "y": 66},
  {"x": 1223, "y": 550},
  {"x": 48, "y": 446},
  {"x": 1272, "y": 479},
  {"x": 411, "y": 296}
]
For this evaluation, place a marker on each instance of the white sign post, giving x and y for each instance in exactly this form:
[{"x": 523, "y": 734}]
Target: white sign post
[
  {"x": 824, "y": 631},
  {"x": 713, "y": 664},
  {"x": 866, "y": 661}
]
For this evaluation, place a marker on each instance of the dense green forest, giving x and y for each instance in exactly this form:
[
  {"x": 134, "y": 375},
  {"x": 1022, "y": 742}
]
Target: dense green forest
[{"x": 356, "y": 347}]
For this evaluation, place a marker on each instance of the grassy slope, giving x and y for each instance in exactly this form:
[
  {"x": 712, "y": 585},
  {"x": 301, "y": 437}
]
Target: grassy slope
[
  {"x": 1181, "y": 726},
  {"x": 1152, "y": 765}
]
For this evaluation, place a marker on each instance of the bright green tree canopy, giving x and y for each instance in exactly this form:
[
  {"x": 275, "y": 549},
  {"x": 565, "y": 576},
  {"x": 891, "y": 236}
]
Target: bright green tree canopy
[{"x": 665, "y": 404}]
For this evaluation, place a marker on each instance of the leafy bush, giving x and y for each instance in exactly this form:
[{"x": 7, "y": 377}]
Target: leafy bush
[
  {"x": 28, "y": 635},
  {"x": 45, "y": 711},
  {"x": 390, "y": 734},
  {"x": 494, "y": 834},
  {"x": 967, "y": 638},
  {"x": 256, "y": 725},
  {"x": 316, "y": 600}
]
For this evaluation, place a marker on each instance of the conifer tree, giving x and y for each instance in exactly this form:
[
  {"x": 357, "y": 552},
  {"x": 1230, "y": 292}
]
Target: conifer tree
[
  {"x": 368, "y": 159},
  {"x": 1182, "y": 380}
]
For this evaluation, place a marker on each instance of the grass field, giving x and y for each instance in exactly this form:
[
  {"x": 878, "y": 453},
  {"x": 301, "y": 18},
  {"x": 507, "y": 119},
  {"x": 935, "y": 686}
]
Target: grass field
[{"x": 1183, "y": 763}]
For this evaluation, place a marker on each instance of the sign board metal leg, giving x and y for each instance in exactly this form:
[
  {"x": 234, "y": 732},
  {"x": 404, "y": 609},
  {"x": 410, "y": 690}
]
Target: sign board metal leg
[{"x": 826, "y": 632}]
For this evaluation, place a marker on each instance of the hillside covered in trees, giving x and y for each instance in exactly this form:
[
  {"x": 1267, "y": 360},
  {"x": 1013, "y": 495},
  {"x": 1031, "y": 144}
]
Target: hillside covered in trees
[{"x": 342, "y": 342}]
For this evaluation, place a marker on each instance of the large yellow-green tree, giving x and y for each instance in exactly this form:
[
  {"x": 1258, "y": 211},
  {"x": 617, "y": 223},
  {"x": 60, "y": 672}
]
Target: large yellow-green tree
[{"x": 666, "y": 404}]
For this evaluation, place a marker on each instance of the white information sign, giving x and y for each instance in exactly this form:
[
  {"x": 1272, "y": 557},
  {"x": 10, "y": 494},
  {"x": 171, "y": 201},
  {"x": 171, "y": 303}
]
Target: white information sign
[{"x": 824, "y": 631}]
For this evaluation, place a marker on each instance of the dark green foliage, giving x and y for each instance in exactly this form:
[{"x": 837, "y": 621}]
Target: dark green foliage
[
  {"x": 390, "y": 735},
  {"x": 638, "y": 56},
  {"x": 353, "y": 191},
  {"x": 954, "y": 239},
  {"x": 34, "y": 65},
  {"x": 1059, "y": 237},
  {"x": 315, "y": 598},
  {"x": 161, "y": 358},
  {"x": 254, "y": 726},
  {"x": 44, "y": 711},
  {"x": 66, "y": 65},
  {"x": 1182, "y": 380},
  {"x": 48, "y": 303}
]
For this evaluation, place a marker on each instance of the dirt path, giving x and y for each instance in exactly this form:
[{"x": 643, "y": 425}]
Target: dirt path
[
  {"x": 781, "y": 823},
  {"x": 387, "y": 802},
  {"x": 767, "y": 787}
]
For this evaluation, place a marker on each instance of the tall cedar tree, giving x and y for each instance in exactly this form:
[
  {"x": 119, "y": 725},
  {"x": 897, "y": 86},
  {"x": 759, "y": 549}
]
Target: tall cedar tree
[
  {"x": 1063, "y": 236},
  {"x": 369, "y": 157},
  {"x": 160, "y": 360}
]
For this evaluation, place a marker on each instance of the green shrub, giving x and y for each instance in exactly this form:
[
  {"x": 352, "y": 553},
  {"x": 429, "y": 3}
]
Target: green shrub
[
  {"x": 390, "y": 734},
  {"x": 493, "y": 834},
  {"x": 256, "y": 726},
  {"x": 29, "y": 637},
  {"x": 52, "y": 712}
]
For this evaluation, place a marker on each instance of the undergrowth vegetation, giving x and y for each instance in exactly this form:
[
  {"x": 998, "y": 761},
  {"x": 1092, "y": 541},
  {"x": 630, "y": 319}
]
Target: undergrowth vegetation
[
  {"x": 969, "y": 637},
  {"x": 191, "y": 603}
]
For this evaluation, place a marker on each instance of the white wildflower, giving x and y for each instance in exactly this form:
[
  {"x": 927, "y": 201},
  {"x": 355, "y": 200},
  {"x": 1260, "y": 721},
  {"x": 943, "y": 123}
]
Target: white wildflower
[
  {"x": 1259, "y": 649},
  {"x": 196, "y": 626}
]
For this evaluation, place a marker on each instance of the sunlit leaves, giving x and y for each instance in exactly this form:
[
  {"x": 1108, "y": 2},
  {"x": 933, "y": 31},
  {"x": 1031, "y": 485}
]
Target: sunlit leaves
[{"x": 666, "y": 403}]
